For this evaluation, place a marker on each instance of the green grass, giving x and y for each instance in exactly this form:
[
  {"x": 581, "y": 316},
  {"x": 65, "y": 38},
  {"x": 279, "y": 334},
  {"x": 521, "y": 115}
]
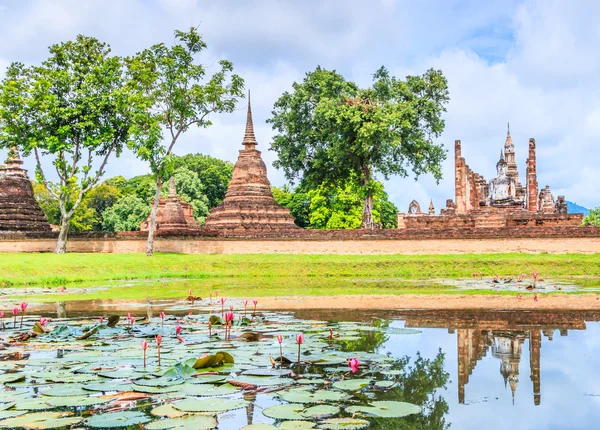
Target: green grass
[
  {"x": 165, "y": 276},
  {"x": 51, "y": 269}
]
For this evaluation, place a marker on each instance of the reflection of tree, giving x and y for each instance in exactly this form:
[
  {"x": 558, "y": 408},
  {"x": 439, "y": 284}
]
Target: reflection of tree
[
  {"x": 418, "y": 385},
  {"x": 369, "y": 341}
]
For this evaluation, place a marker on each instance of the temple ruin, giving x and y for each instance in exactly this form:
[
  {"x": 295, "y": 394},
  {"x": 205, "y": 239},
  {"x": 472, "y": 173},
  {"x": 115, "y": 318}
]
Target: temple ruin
[
  {"x": 249, "y": 202},
  {"x": 173, "y": 215},
  {"x": 501, "y": 202},
  {"x": 19, "y": 211}
]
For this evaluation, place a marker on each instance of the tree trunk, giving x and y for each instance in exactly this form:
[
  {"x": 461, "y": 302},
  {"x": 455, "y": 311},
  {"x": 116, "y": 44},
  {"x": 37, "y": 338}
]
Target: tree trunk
[
  {"x": 61, "y": 244},
  {"x": 152, "y": 226},
  {"x": 367, "y": 215}
]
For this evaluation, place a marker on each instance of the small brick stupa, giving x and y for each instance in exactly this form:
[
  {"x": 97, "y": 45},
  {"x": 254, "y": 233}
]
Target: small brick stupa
[
  {"x": 19, "y": 211},
  {"x": 174, "y": 214},
  {"x": 249, "y": 202}
]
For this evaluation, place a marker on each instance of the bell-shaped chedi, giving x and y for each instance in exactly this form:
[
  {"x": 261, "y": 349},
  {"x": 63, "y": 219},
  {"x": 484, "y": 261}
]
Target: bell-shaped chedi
[
  {"x": 19, "y": 211},
  {"x": 173, "y": 215},
  {"x": 249, "y": 202}
]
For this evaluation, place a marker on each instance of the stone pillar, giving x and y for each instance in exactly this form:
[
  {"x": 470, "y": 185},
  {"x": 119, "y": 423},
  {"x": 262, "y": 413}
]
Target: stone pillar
[
  {"x": 459, "y": 179},
  {"x": 401, "y": 222},
  {"x": 532, "y": 185},
  {"x": 535, "y": 344}
]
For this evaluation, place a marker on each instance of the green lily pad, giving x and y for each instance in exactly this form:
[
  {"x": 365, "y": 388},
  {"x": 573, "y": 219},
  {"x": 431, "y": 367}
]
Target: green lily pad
[
  {"x": 210, "y": 405},
  {"x": 297, "y": 425},
  {"x": 9, "y": 414},
  {"x": 208, "y": 390},
  {"x": 352, "y": 384},
  {"x": 117, "y": 419},
  {"x": 167, "y": 411},
  {"x": 207, "y": 379},
  {"x": 386, "y": 409},
  {"x": 66, "y": 390},
  {"x": 290, "y": 411},
  {"x": 154, "y": 390},
  {"x": 320, "y": 411},
  {"x": 108, "y": 386},
  {"x": 303, "y": 396},
  {"x": 199, "y": 422},
  {"x": 76, "y": 401},
  {"x": 263, "y": 381},
  {"x": 384, "y": 384},
  {"x": 41, "y": 420},
  {"x": 344, "y": 424}
]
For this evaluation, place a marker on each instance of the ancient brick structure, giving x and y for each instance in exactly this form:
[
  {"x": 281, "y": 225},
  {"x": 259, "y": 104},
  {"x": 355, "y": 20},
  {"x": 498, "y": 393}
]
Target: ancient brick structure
[
  {"x": 249, "y": 202},
  {"x": 501, "y": 202},
  {"x": 19, "y": 211},
  {"x": 174, "y": 214}
]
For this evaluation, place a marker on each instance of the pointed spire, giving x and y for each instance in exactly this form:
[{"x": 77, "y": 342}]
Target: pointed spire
[
  {"x": 249, "y": 138},
  {"x": 507, "y": 129},
  {"x": 508, "y": 145},
  {"x": 172, "y": 188},
  {"x": 13, "y": 160}
]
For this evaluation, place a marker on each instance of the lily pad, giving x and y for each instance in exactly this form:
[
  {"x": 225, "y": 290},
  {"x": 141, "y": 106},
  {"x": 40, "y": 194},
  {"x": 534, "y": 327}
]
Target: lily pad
[
  {"x": 210, "y": 405},
  {"x": 208, "y": 390},
  {"x": 386, "y": 409},
  {"x": 303, "y": 396},
  {"x": 199, "y": 422},
  {"x": 167, "y": 411},
  {"x": 41, "y": 420},
  {"x": 344, "y": 424},
  {"x": 290, "y": 411},
  {"x": 117, "y": 419},
  {"x": 351, "y": 384}
]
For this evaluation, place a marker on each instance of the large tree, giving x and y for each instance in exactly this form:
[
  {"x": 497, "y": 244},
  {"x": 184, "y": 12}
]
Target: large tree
[
  {"x": 75, "y": 109},
  {"x": 177, "y": 96},
  {"x": 329, "y": 129}
]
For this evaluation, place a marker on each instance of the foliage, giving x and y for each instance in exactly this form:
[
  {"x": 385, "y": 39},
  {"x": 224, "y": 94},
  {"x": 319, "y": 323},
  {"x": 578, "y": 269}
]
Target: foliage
[
  {"x": 75, "y": 108},
  {"x": 593, "y": 218},
  {"x": 297, "y": 201},
  {"x": 336, "y": 206},
  {"x": 176, "y": 97},
  {"x": 214, "y": 174},
  {"x": 330, "y": 130},
  {"x": 191, "y": 189},
  {"x": 48, "y": 204},
  {"x": 126, "y": 214}
]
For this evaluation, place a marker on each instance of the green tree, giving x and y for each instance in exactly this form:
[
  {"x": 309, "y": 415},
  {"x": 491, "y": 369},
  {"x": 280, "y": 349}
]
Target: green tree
[
  {"x": 98, "y": 200},
  {"x": 76, "y": 109},
  {"x": 126, "y": 214},
  {"x": 297, "y": 201},
  {"x": 190, "y": 189},
  {"x": 593, "y": 218},
  {"x": 176, "y": 97},
  {"x": 330, "y": 130},
  {"x": 214, "y": 174}
]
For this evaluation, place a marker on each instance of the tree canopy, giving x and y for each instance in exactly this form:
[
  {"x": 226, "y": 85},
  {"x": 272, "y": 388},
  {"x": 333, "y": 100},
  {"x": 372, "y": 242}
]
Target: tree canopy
[
  {"x": 331, "y": 130},
  {"x": 176, "y": 96},
  {"x": 593, "y": 218},
  {"x": 76, "y": 109}
]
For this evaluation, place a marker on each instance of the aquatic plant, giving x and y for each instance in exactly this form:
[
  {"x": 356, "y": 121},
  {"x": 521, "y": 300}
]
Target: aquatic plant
[
  {"x": 144, "y": 348},
  {"x": 158, "y": 339},
  {"x": 23, "y": 309},
  {"x": 15, "y": 312}
]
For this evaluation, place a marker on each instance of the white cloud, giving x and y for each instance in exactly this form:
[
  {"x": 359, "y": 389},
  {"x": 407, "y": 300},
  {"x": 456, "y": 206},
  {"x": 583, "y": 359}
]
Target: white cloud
[{"x": 533, "y": 63}]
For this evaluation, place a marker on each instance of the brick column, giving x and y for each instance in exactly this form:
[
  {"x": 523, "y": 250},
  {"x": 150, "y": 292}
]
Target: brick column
[
  {"x": 459, "y": 179},
  {"x": 532, "y": 184},
  {"x": 535, "y": 344}
]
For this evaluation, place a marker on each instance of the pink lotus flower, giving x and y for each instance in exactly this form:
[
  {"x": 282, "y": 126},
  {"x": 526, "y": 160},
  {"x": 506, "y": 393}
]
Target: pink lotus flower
[
  {"x": 24, "y": 306},
  {"x": 43, "y": 321},
  {"x": 223, "y": 300},
  {"x": 128, "y": 315},
  {"x": 131, "y": 321},
  {"x": 15, "y": 312},
  {"x": 2, "y": 319},
  {"x": 178, "y": 330},
  {"x": 280, "y": 339},
  {"x": 190, "y": 292},
  {"x": 158, "y": 339},
  {"x": 229, "y": 317},
  {"x": 144, "y": 348},
  {"x": 180, "y": 339},
  {"x": 101, "y": 319},
  {"x": 353, "y": 364},
  {"x": 1, "y": 314},
  {"x": 216, "y": 293},
  {"x": 162, "y": 318},
  {"x": 299, "y": 340}
]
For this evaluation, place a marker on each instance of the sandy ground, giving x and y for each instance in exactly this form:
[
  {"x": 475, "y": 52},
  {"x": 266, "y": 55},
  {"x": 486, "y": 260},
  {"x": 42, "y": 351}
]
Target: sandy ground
[{"x": 430, "y": 301}]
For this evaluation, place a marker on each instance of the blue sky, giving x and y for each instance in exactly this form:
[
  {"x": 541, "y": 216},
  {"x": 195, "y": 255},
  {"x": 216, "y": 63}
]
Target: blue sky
[{"x": 534, "y": 64}]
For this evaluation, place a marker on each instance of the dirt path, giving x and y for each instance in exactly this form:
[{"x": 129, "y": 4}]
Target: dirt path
[{"x": 429, "y": 301}]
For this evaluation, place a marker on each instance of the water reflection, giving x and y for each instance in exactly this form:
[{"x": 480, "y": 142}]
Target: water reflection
[{"x": 498, "y": 364}]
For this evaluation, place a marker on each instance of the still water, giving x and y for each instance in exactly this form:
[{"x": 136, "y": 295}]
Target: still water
[{"x": 504, "y": 369}]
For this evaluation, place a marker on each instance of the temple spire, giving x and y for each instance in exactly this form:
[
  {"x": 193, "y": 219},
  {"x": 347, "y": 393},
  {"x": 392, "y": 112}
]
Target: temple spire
[
  {"x": 508, "y": 129},
  {"x": 13, "y": 161},
  {"x": 172, "y": 188},
  {"x": 249, "y": 139}
]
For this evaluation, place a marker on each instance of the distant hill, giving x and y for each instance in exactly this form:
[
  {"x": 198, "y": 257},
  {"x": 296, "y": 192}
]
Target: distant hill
[{"x": 574, "y": 208}]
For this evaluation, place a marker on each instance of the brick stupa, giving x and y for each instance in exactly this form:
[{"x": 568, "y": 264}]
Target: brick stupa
[
  {"x": 173, "y": 215},
  {"x": 19, "y": 211},
  {"x": 249, "y": 202}
]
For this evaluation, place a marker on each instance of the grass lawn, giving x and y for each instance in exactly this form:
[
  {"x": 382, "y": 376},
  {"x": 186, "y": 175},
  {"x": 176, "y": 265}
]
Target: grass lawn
[{"x": 299, "y": 272}]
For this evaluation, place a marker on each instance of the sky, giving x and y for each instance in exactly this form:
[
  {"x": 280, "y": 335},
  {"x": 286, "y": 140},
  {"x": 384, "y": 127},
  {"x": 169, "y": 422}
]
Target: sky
[{"x": 533, "y": 63}]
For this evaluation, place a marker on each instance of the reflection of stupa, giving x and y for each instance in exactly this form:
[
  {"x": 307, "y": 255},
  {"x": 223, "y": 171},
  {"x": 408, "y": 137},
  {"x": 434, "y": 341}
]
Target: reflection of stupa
[{"x": 507, "y": 346}]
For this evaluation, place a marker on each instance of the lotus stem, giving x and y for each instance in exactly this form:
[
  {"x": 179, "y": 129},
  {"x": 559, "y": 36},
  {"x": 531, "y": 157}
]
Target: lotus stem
[
  {"x": 281, "y": 354},
  {"x": 158, "y": 355}
]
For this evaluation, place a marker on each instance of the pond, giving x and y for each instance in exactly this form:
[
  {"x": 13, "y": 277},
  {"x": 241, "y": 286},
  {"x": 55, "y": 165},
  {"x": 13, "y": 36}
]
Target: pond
[{"x": 416, "y": 369}]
